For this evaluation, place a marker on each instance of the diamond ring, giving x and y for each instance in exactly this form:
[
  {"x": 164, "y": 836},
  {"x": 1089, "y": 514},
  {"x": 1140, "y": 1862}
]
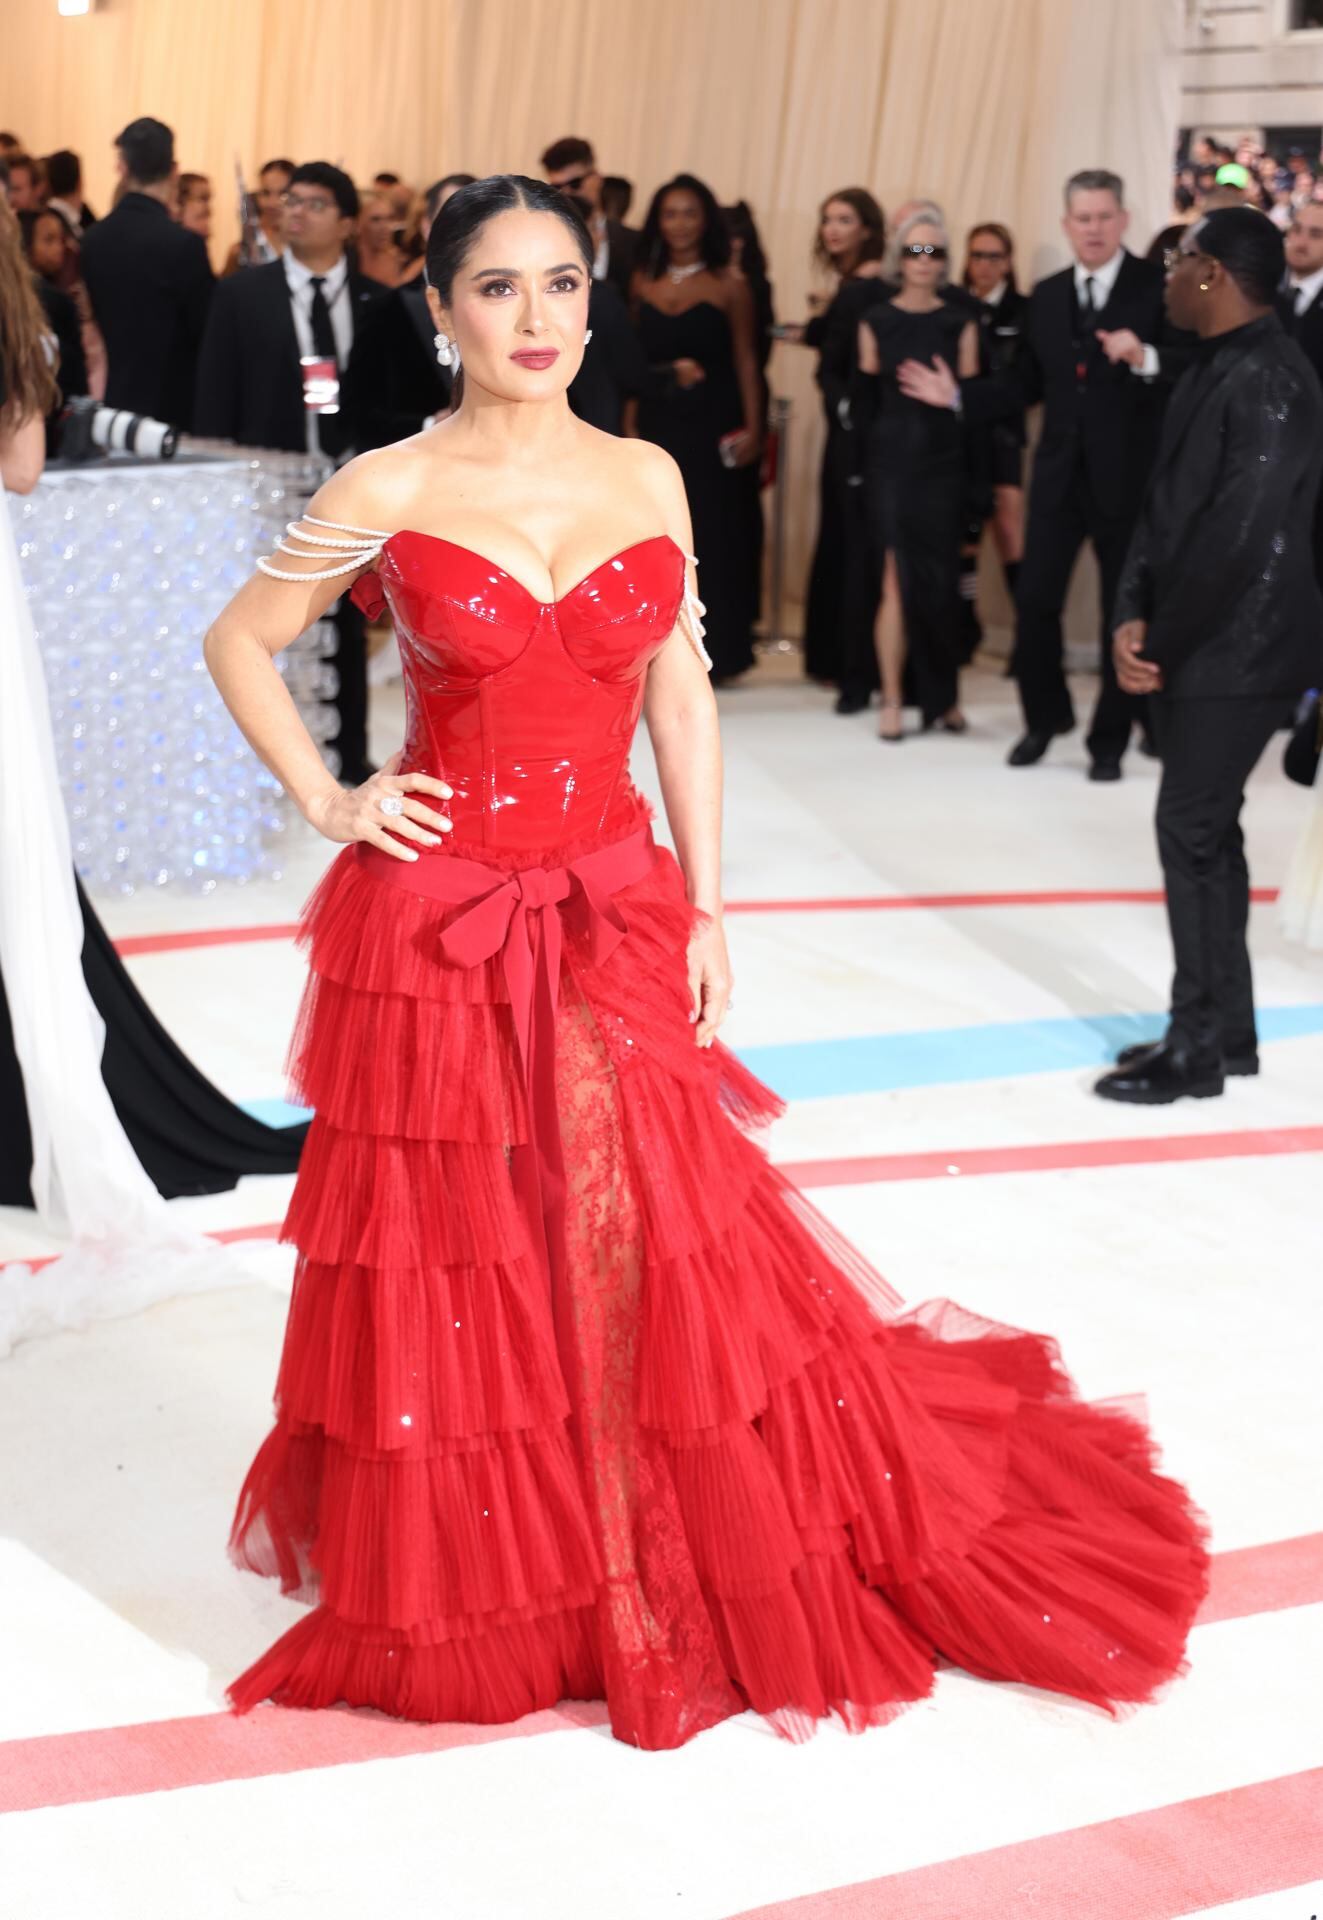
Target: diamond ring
[{"x": 391, "y": 803}]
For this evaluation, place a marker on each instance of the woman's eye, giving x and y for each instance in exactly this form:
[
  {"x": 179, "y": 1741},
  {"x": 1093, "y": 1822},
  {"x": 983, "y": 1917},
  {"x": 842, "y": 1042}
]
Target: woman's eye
[
  {"x": 496, "y": 286},
  {"x": 568, "y": 283}
]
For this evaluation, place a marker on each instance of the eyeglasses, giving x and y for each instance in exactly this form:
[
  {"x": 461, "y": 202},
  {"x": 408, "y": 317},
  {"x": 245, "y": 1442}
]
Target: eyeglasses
[
  {"x": 980, "y": 253},
  {"x": 574, "y": 182},
  {"x": 306, "y": 202},
  {"x": 920, "y": 250},
  {"x": 1172, "y": 257}
]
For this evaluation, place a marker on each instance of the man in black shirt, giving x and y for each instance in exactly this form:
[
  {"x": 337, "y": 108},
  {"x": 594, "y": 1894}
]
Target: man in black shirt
[
  {"x": 149, "y": 283},
  {"x": 1220, "y": 626}
]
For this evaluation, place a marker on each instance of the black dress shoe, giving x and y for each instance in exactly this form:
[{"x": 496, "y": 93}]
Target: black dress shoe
[
  {"x": 1105, "y": 770},
  {"x": 1235, "y": 1066},
  {"x": 1030, "y": 750},
  {"x": 850, "y": 702},
  {"x": 1161, "y": 1076}
]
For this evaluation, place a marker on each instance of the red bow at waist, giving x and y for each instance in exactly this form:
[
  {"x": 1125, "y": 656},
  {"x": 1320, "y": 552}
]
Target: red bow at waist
[{"x": 507, "y": 914}]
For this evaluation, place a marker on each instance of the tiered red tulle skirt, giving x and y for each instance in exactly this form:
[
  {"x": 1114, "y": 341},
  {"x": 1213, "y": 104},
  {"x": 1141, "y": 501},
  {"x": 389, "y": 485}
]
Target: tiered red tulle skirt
[{"x": 721, "y": 1472}]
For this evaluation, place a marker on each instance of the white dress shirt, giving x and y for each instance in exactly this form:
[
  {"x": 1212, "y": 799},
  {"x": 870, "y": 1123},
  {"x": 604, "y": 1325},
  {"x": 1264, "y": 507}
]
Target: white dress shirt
[
  {"x": 1104, "y": 279},
  {"x": 335, "y": 288},
  {"x": 1303, "y": 293}
]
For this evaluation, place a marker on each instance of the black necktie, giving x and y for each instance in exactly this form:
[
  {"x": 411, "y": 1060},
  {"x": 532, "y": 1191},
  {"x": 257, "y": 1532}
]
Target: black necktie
[{"x": 323, "y": 333}]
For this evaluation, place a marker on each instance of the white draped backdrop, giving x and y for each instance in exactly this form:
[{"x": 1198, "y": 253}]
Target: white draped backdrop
[{"x": 985, "y": 105}]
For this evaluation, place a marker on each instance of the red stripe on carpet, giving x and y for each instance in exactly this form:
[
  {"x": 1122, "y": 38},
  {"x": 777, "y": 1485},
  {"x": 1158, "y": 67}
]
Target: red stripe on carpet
[
  {"x": 224, "y": 1236},
  {"x": 1053, "y": 1157},
  {"x": 1265, "y": 1579},
  {"x": 158, "y": 1756},
  {"x": 936, "y": 902},
  {"x": 874, "y": 903},
  {"x": 1171, "y": 1860}
]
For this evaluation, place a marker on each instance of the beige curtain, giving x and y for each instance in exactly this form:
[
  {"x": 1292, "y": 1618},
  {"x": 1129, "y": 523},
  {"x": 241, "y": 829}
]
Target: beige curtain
[{"x": 985, "y": 105}]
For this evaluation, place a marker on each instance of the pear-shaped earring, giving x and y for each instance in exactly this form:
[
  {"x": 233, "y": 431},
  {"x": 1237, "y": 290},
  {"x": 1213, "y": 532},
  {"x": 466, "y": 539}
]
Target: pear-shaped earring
[
  {"x": 588, "y": 336},
  {"x": 445, "y": 350}
]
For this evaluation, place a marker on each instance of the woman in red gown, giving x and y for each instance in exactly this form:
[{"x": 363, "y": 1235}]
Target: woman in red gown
[{"x": 579, "y": 1398}]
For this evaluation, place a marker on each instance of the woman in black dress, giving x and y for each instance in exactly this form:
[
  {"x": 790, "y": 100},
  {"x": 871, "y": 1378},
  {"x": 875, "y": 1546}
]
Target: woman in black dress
[
  {"x": 997, "y": 462},
  {"x": 850, "y": 243},
  {"x": 696, "y": 321},
  {"x": 915, "y": 484}
]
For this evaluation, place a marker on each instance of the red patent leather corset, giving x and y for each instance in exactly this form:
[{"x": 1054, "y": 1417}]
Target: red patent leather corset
[{"x": 526, "y": 710}]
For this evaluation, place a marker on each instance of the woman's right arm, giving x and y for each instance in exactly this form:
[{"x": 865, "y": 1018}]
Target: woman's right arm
[
  {"x": 23, "y": 455},
  {"x": 266, "y": 616}
]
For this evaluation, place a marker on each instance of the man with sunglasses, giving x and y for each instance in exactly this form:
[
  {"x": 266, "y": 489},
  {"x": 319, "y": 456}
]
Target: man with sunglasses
[
  {"x": 1220, "y": 627},
  {"x": 570, "y": 165},
  {"x": 1098, "y": 351}
]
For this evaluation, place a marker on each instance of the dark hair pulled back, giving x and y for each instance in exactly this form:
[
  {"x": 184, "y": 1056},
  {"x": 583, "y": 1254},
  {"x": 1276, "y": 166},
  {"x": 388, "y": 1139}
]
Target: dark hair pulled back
[{"x": 454, "y": 232}]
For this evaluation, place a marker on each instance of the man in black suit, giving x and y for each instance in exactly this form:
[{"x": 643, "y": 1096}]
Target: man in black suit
[
  {"x": 570, "y": 165},
  {"x": 1097, "y": 349},
  {"x": 1301, "y": 310},
  {"x": 1220, "y": 625},
  {"x": 266, "y": 322},
  {"x": 149, "y": 282}
]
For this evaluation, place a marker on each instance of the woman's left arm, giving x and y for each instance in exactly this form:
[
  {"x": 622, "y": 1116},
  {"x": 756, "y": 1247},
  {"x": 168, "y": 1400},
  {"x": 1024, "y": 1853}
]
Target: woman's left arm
[
  {"x": 681, "y": 713},
  {"x": 740, "y": 313}
]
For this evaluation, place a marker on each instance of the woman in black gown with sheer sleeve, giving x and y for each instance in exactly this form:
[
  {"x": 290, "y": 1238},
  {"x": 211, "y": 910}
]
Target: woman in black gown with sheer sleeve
[
  {"x": 696, "y": 321},
  {"x": 851, "y": 238}
]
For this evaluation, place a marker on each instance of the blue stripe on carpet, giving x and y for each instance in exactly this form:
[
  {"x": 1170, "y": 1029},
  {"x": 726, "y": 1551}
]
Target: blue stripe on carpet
[
  {"x": 948, "y": 1056},
  {"x": 941, "y": 1056}
]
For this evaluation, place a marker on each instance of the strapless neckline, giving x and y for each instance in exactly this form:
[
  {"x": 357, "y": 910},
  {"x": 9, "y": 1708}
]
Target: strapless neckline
[{"x": 534, "y": 600}]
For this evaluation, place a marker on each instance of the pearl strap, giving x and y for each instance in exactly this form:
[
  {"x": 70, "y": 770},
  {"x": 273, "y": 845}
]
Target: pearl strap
[
  {"x": 363, "y": 546},
  {"x": 691, "y": 619}
]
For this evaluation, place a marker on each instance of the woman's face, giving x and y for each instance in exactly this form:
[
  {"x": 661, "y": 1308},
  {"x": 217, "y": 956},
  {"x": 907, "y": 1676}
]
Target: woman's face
[
  {"x": 841, "y": 230},
  {"x": 195, "y": 211},
  {"x": 923, "y": 271},
  {"x": 519, "y": 307},
  {"x": 49, "y": 246},
  {"x": 682, "y": 222},
  {"x": 376, "y": 225},
  {"x": 987, "y": 265}
]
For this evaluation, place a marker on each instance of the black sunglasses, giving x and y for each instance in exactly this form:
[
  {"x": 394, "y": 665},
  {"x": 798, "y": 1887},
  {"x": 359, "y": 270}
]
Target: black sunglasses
[
  {"x": 575, "y": 181},
  {"x": 980, "y": 253},
  {"x": 920, "y": 250}
]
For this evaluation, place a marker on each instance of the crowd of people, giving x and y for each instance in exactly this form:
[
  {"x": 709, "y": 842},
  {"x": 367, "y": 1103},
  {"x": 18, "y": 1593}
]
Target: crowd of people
[{"x": 682, "y": 327}]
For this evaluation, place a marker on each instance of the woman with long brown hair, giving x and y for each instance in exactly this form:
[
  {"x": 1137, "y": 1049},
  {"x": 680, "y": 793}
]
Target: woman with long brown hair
[
  {"x": 27, "y": 378},
  {"x": 850, "y": 242}
]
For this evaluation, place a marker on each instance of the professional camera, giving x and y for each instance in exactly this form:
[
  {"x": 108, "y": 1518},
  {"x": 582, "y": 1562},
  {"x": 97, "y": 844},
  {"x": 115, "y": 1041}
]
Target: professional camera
[{"x": 87, "y": 429}]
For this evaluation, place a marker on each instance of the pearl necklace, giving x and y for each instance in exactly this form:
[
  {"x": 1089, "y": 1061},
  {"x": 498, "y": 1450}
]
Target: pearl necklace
[{"x": 677, "y": 274}]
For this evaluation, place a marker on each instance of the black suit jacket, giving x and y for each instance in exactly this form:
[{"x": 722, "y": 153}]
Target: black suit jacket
[
  {"x": 250, "y": 384},
  {"x": 621, "y": 256},
  {"x": 398, "y": 382},
  {"x": 1221, "y": 564},
  {"x": 1100, "y": 421},
  {"x": 614, "y": 367},
  {"x": 1306, "y": 329},
  {"x": 150, "y": 284}
]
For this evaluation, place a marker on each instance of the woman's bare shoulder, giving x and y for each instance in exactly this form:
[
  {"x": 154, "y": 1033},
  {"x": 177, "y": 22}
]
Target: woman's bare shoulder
[{"x": 376, "y": 490}]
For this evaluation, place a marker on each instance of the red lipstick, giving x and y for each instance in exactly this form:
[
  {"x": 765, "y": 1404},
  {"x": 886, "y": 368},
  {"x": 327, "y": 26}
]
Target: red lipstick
[{"x": 538, "y": 358}]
